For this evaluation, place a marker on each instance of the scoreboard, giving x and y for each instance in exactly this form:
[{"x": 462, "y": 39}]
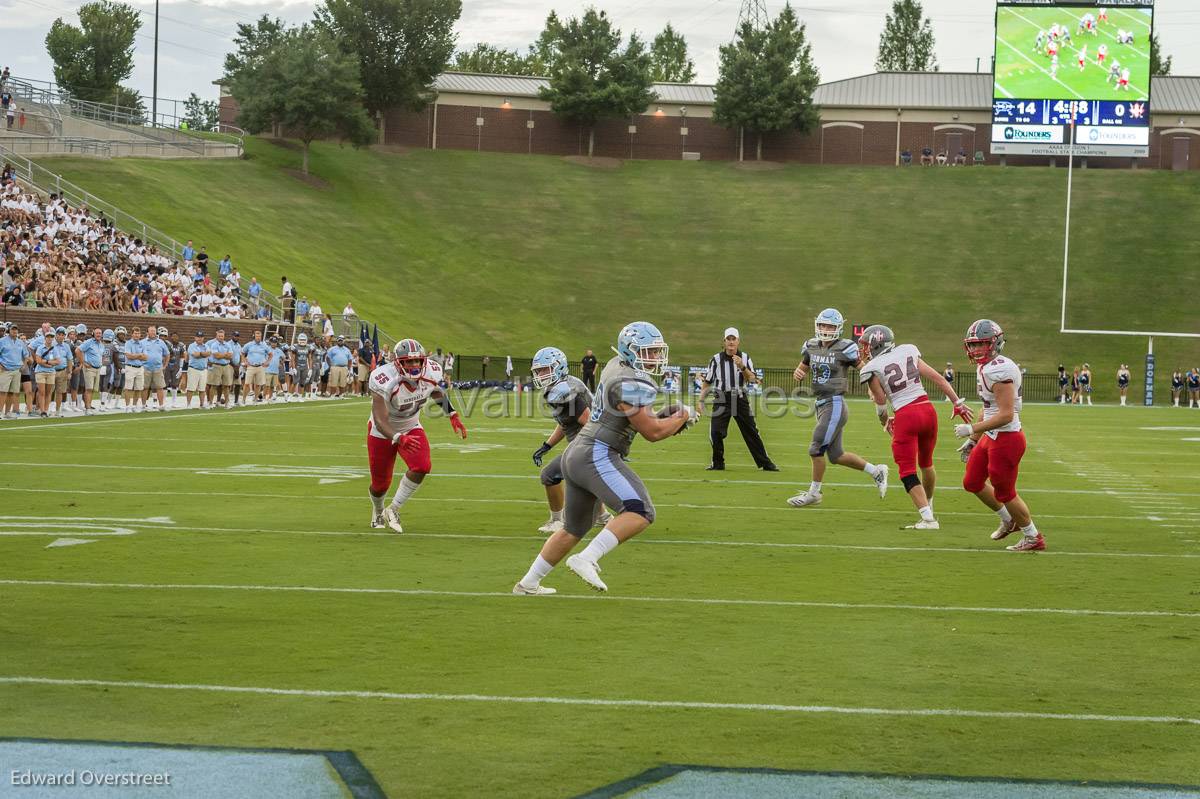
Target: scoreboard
[{"x": 1072, "y": 72}]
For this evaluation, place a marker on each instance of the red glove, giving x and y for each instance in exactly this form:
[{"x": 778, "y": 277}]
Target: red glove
[
  {"x": 409, "y": 444},
  {"x": 890, "y": 426},
  {"x": 961, "y": 410},
  {"x": 457, "y": 425}
]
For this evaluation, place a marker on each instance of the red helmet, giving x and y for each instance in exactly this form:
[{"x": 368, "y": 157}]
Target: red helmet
[
  {"x": 409, "y": 357},
  {"x": 983, "y": 341}
]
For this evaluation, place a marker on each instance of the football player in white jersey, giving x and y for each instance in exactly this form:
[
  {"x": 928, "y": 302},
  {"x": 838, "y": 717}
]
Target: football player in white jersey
[
  {"x": 399, "y": 390},
  {"x": 996, "y": 442},
  {"x": 893, "y": 373}
]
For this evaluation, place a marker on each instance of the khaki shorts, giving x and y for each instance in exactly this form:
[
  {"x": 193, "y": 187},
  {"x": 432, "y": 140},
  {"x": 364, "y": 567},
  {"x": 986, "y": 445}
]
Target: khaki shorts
[
  {"x": 155, "y": 379},
  {"x": 10, "y": 381},
  {"x": 44, "y": 378},
  {"x": 135, "y": 378},
  {"x": 337, "y": 376},
  {"x": 220, "y": 375},
  {"x": 272, "y": 381},
  {"x": 256, "y": 375},
  {"x": 197, "y": 379},
  {"x": 91, "y": 378},
  {"x": 62, "y": 381},
  {"x": 364, "y": 371}
]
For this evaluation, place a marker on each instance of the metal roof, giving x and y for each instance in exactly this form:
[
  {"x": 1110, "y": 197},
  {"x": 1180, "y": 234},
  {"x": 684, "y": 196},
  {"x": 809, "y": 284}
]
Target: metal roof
[{"x": 932, "y": 90}]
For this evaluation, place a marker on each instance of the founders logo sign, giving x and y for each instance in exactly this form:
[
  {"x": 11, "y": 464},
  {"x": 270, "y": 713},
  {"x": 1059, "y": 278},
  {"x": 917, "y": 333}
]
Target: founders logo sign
[{"x": 1029, "y": 134}]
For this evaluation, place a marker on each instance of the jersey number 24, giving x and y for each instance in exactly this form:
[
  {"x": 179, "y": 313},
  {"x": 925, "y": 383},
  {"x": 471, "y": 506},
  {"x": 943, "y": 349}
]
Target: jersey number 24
[{"x": 899, "y": 379}]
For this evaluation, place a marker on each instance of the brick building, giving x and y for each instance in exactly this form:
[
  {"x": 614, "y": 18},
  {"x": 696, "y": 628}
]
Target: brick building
[{"x": 870, "y": 119}]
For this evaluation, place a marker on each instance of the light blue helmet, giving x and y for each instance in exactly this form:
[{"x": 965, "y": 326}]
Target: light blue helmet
[
  {"x": 549, "y": 367},
  {"x": 107, "y": 335},
  {"x": 81, "y": 328},
  {"x": 640, "y": 345},
  {"x": 830, "y": 317}
]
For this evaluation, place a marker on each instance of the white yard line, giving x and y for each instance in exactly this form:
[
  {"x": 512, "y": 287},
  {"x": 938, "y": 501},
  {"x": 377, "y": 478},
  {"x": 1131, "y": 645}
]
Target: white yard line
[
  {"x": 597, "y": 702},
  {"x": 773, "y": 603},
  {"x": 1021, "y": 53}
]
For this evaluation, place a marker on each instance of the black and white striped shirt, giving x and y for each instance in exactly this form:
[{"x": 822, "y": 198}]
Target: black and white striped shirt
[{"x": 723, "y": 374}]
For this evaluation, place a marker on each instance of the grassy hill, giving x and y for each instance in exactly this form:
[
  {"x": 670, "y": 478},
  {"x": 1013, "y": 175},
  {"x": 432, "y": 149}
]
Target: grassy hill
[{"x": 503, "y": 254}]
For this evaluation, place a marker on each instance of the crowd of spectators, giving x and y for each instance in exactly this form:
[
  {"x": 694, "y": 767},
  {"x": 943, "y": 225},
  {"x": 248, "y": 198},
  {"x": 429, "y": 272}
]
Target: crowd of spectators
[{"x": 70, "y": 371}]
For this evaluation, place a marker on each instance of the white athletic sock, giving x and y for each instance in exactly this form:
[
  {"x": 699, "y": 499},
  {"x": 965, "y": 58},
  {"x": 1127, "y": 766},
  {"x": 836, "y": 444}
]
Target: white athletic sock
[
  {"x": 1004, "y": 515},
  {"x": 926, "y": 513},
  {"x": 871, "y": 469},
  {"x": 537, "y": 572},
  {"x": 377, "y": 503},
  {"x": 601, "y": 545},
  {"x": 1030, "y": 530},
  {"x": 556, "y": 515},
  {"x": 814, "y": 487},
  {"x": 406, "y": 489}
]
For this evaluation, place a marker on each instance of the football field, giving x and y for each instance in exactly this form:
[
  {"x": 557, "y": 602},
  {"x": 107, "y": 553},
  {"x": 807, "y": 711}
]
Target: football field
[
  {"x": 1023, "y": 69},
  {"x": 210, "y": 579}
]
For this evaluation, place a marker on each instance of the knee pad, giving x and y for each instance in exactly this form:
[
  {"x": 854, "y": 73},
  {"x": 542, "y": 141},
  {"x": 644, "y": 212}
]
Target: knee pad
[
  {"x": 816, "y": 450},
  {"x": 640, "y": 508},
  {"x": 910, "y": 481},
  {"x": 834, "y": 455},
  {"x": 972, "y": 486},
  {"x": 548, "y": 481}
]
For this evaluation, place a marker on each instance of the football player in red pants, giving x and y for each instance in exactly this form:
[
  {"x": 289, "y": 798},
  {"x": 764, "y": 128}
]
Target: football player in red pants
[
  {"x": 996, "y": 443},
  {"x": 399, "y": 390},
  {"x": 894, "y": 373}
]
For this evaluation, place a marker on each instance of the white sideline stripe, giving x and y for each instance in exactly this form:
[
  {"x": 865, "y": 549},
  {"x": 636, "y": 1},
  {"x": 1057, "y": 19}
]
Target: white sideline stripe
[
  {"x": 684, "y": 542},
  {"x": 772, "y": 603},
  {"x": 592, "y": 702},
  {"x": 542, "y": 502},
  {"x": 181, "y": 413}
]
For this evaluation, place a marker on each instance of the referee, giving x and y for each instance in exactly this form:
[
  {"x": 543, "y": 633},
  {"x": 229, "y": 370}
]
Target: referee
[{"x": 729, "y": 373}]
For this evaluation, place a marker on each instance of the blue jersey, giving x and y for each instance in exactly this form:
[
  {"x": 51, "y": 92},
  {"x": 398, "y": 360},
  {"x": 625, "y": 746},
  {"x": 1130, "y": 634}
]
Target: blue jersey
[
  {"x": 829, "y": 363},
  {"x": 1194, "y": 380}
]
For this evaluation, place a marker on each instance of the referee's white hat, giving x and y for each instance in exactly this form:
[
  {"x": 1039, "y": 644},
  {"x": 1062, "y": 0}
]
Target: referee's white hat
[{"x": 732, "y": 331}]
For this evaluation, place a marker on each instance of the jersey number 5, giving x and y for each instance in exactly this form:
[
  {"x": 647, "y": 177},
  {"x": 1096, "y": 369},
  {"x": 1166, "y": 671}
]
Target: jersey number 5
[{"x": 898, "y": 379}]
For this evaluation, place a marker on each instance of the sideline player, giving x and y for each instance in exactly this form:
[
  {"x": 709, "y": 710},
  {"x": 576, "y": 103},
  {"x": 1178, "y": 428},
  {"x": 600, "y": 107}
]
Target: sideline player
[
  {"x": 1123, "y": 81},
  {"x": 1101, "y": 54},
  {"x": 996, "y": 443},
  {"x": 1082, "y": 56},
  {"x": 570, "y": 402},
  {"x": 893, "y": 373},
  {"x": 828, "y": 357},
  {"x": 1123, "y": 381},
  {"x": 401, "y": 389},
  {"x": 594, "y": 468}
]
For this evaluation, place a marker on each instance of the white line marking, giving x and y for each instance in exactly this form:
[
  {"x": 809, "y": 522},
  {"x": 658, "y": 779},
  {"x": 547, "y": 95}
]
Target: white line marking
[
  {"x": 594, "y": 702},
  {"x": 773, "y": 603},
  {"x": 69, "y": 542},
  {"x": 1044, "y": 72}
]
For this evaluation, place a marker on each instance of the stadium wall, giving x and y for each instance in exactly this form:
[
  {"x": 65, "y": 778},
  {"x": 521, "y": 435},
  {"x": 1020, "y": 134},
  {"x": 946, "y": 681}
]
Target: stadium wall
[
  {"x": 29, "y": 319},
  {"x": 849, "y": 136}
]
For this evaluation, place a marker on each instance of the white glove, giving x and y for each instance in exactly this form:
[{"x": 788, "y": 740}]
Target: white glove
[
  {"x": 964, "y": 451},
  {"x": 692, "y": 415},
  {"x": 962, "y": 430},
  {"x": 396, "y": 438}
]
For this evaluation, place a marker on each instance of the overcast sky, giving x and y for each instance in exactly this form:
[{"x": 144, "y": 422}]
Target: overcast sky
[{"x": 195, "y": 34}]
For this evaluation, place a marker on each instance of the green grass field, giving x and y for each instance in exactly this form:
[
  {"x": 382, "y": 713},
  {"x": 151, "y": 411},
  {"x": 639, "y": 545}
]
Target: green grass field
[
  {"x": 1023, "y": 70},
  {"x": 501, "y": 254},
  {"x": 231, "y": 550}
]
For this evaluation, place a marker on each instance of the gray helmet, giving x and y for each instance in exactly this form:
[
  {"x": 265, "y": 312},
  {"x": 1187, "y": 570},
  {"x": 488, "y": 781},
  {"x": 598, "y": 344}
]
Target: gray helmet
[
  {"x": 988, "y": 338},
  {"x": 875, "y": 341}
]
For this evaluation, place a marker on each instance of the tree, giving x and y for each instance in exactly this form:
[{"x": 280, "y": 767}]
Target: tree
[
  {"x": 669, "y": 62},
  {"x": 1159, "y": 66},
  {"x": 906, "y": 44},
  {"x": 200, "y": 114},
  {"x": 91, "y": 60},
  {"x": 489, "y": 60},
  {"x": 131, "y": 105},
  {"x": 767, "y": 79},
  {"x": 252, "y": 42},
  {"x": 545, "y": 51},
  {"x": 400, "y": 46},
  {"x": 306, "y": 85},
  {"x": 594, "y": 77}
]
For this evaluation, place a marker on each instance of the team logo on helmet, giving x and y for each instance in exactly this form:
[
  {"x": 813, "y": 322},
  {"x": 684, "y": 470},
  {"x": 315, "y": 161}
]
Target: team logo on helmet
[
  {"x": 875, "y": 341},
  {"x": 983, "y": 341},
  {"x": 642, "y": 346},
  {"x": 826, "y": 319},
  {"x": 549, "y": 367},
  {"x": 409, "y": 357}
]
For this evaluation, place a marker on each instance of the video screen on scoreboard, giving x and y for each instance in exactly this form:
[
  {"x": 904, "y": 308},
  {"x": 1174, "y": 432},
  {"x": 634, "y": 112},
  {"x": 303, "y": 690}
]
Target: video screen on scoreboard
[{"x": 1087, "y": 58}]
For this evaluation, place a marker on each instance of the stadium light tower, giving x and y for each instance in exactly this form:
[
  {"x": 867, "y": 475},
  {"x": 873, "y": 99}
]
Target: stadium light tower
[{"x": 754, "y": 12}]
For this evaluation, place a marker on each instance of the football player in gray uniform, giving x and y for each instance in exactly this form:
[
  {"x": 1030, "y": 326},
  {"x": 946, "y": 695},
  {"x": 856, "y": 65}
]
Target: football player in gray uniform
[
  {"x": 592, "y": 465},
  {"x": 570, "y": 403},
  {"x": 828, "y": 357}
]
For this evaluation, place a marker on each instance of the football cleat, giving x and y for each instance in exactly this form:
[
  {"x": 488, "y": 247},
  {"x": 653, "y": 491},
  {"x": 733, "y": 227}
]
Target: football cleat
[
  {"x": 587, "y": 570},
  {"x": 803, "y": 500},
  {"x": 392, "y": 519},
  {"x": 602, "y": 519},
  {"x": 924, "y": 525},
  {"x": 1027, "y": 544},
  {"x": 377, "y": 521},
  {"x": 1004, "y": 531},
  {"x": 881, "y": 480},
  {"x": 537, "y": 590},
  {"x": 551, "y": 527}
]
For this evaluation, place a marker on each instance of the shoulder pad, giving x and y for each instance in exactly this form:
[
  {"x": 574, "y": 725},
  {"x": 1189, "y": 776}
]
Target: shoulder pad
[
  {"x": 638, "y": 392},
  {"x": 812, "y": 342},
  {"x": 560, "y": 392}
]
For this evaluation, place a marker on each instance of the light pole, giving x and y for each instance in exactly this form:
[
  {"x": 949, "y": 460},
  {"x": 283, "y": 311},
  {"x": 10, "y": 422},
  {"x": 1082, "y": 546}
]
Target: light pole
[{"x": 154, "y": 90}]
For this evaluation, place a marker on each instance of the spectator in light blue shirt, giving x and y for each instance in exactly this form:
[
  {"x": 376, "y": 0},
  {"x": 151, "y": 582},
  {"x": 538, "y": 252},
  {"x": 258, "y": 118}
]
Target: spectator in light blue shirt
[
  {"x": 135, "y": 372},
  {"x": 13, "y": 355},
  {"x": 338, "y": 357},
  {"x": 220, "y": 369},
  {"x": 225, "y": 266},
  {"x": 157, "y": 353},
  {"x": 256, "y": 355},
  {"x": 197, "y": 371},
  {"x": 302, "y": 307},
  {"x": 274, "y": 364},
  {"x": 92, "y": 351},
  {"x": 189, "y": 253}
]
